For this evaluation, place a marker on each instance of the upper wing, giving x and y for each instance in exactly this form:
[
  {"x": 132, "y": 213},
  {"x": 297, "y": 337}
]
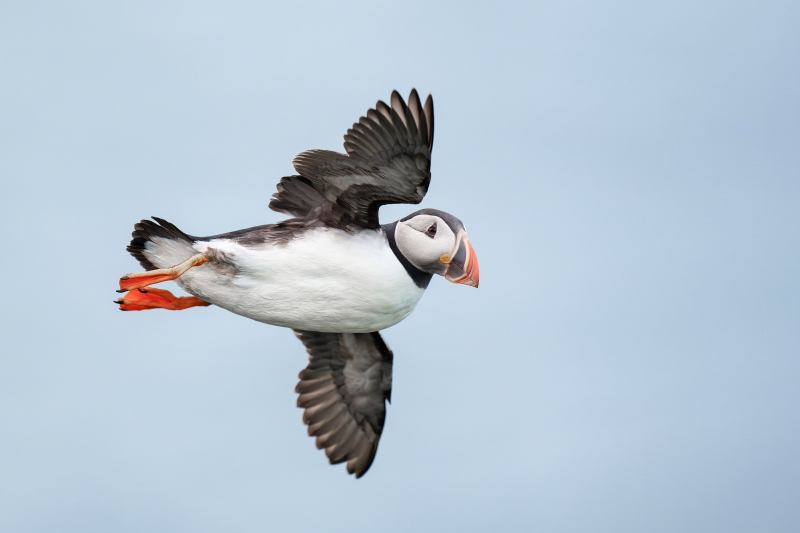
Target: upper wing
[
  {"x": 343, "y": 391},
  {"x": 388, "y": 161}
]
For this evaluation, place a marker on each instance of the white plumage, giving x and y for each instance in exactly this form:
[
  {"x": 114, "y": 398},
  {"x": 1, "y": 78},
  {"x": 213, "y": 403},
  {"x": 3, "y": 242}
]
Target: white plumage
[{"x": 325, "y": 280}]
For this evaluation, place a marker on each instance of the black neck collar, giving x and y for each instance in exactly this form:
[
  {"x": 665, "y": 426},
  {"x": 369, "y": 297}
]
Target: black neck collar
[{"x": 420, "y": 278}]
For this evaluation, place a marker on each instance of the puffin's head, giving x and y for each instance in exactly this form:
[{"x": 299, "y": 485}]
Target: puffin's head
[{"x": 436, "y": 242}]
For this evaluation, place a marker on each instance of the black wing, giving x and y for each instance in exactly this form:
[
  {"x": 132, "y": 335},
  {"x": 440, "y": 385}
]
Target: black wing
[
  {"x": 343, "y": 392},
  {"x": 388, "y": 161}
]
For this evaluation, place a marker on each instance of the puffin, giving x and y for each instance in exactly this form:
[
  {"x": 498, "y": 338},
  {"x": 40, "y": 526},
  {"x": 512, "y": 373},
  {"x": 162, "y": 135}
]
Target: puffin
[{"x": 331, "y": 272}]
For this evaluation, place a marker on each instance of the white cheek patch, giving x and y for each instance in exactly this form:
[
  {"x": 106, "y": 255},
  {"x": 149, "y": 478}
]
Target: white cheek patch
[{"x": 421, "y": 250}]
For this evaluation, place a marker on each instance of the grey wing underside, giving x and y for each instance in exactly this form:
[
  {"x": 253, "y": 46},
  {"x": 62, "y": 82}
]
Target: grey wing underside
[
  {"x": 343, "y": 391},
  {"x": 388, "y": 161}
]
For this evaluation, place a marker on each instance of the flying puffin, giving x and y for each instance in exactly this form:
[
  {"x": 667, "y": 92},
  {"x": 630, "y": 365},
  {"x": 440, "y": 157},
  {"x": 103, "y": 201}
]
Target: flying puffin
[{"x": 332, "y": 273}]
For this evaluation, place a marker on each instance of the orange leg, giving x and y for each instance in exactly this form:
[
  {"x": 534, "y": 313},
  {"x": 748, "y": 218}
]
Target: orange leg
[
  {"x": 142, "y": 299},
  {"x": 151, "y": 277}
]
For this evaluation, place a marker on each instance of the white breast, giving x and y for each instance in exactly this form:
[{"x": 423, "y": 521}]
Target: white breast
[{"x": 323, "y": 280}]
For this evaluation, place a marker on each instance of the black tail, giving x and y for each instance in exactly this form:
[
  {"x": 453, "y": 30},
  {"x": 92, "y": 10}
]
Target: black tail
[{"x": 146, "y": 230}]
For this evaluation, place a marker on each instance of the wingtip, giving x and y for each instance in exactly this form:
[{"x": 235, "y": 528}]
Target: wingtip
[
  {"x": 399, "y": 108},
  {"x": 429, "y": 115},
  {"x": 414, "y": 97}
]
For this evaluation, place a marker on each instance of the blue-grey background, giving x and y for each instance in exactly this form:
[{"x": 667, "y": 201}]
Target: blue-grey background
[{"x": 629, "y": 173}]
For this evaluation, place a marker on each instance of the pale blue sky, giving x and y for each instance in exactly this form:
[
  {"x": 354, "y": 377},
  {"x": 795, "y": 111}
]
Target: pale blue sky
[{"x": 629, "y": 173}]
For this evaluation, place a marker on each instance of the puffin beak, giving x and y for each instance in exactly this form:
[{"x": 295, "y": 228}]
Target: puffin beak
[{"x": 463, "y": 267}]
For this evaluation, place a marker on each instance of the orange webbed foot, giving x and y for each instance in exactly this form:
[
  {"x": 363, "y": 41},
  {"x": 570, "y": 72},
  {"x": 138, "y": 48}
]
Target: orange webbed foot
[{"x": 150, "y": 298}]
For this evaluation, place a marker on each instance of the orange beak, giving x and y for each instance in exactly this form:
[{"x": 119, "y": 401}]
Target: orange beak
[{"x": 463, "y": 268}]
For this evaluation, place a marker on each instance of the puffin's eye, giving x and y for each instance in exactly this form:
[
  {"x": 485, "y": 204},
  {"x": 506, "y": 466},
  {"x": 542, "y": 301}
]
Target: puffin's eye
[{"x": 431, "y": 232}]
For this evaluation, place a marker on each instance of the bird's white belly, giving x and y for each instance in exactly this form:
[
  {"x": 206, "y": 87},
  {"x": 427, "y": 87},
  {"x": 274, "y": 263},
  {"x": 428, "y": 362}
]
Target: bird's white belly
[{"x": 324, "y": 280}]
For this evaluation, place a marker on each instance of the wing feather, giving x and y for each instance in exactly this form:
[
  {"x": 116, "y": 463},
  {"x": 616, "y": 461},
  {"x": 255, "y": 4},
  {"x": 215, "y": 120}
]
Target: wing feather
[
  {"x": 387, "y": 161},
  {"x": 343, "y": 391}
]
